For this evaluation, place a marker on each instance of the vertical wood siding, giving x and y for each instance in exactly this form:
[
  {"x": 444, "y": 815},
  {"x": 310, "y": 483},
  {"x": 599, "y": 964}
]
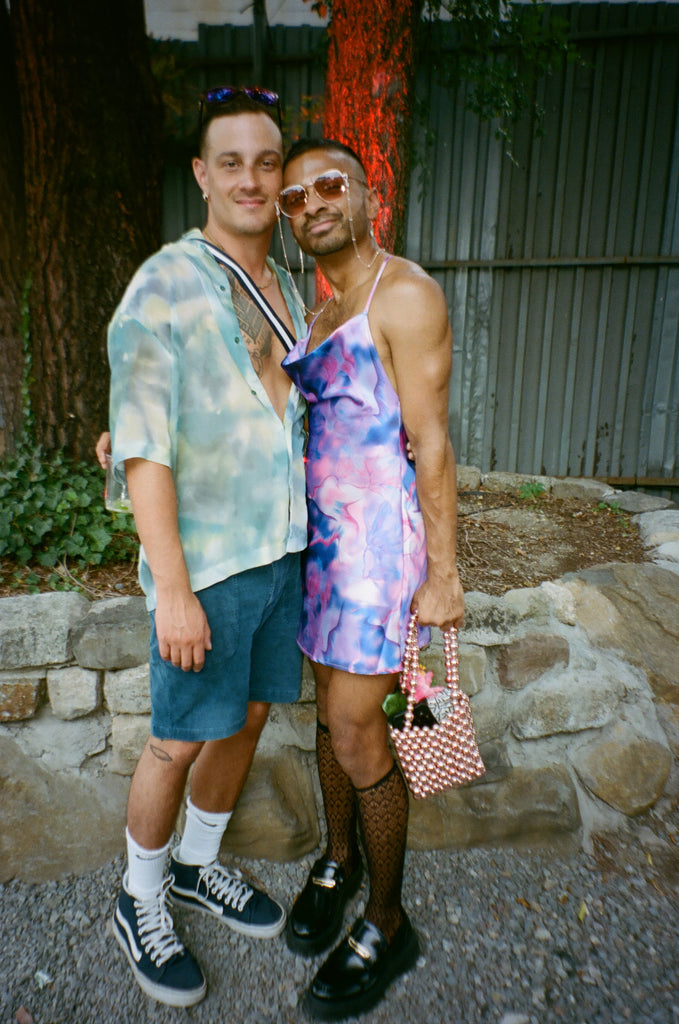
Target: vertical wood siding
[{"x": 560, "y": 267}]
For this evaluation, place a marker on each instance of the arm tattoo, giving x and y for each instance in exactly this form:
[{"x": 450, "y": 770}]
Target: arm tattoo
[{"x": 257, "y": 333}]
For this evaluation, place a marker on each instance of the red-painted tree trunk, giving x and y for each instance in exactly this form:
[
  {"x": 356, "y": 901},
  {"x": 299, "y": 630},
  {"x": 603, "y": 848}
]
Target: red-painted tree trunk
[{"x": 369, "y": 97}]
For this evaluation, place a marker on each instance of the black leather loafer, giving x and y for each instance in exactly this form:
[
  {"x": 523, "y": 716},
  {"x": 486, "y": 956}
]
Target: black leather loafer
[
  {"x": 317, "y": 914},
  {"x": 357, "y": 973}
]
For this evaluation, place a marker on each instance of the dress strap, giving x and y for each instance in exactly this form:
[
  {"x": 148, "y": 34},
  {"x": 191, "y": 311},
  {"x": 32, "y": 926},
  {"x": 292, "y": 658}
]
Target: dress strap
[{"x": 387, "y": 257}]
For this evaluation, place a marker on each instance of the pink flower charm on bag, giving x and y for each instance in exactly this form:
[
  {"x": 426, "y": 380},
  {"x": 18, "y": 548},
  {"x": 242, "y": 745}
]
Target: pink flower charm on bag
[{"x": 423, "y": 687}]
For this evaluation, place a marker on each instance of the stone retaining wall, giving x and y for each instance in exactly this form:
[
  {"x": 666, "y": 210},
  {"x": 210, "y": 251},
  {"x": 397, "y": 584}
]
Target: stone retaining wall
[{"x": 574, "y": 687}]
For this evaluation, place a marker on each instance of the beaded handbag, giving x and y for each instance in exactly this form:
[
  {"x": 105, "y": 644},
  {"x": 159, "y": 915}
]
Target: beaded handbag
[{"x": 436, "y": 757}]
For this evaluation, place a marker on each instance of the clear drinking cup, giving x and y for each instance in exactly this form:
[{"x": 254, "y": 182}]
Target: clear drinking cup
[{"x": 116, "y": 496}]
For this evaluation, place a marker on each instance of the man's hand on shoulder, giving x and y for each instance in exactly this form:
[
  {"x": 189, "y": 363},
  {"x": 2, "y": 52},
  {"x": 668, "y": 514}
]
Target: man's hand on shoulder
[{"x": 182, "y": 630}]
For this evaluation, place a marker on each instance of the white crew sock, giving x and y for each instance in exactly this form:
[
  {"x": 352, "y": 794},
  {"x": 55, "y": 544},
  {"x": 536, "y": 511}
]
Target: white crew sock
[
  {"x": 146, "y": 869},
  {"x": 202, "y": 836}
]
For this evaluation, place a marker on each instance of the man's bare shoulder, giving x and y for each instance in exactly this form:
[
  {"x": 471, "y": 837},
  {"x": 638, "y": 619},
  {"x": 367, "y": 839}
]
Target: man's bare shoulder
[{"x": 407, "y": 289}]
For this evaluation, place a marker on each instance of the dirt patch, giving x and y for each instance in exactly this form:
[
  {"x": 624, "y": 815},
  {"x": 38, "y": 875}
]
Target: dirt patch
[{"x": 504, "y": 542}]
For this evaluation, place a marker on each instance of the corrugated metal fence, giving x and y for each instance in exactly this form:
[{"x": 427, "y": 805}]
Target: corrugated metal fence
[{"x": 561, "y": 269}]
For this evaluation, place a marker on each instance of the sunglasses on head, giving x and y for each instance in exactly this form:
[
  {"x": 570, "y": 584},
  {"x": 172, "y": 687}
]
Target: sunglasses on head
[
  {"x": 221, "y": 95},
  {"x": 329, "y": 187}
]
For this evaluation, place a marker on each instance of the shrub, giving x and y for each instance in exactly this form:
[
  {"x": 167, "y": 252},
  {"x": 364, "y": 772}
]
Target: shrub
[{"x": 52, "y": 509}]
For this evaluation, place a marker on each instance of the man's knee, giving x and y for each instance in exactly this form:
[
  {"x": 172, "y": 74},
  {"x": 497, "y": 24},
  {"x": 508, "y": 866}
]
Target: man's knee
[
  {"x": 350, "y": 743},
  {"x": 257, "y": 715},
  {"x": 175, "y": 754}
]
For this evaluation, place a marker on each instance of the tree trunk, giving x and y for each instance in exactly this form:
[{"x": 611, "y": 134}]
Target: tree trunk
[
  {"x": 369, "y": 97},
  {"x": 12, "y": 237},
  {"x": 92, "y": 157}
]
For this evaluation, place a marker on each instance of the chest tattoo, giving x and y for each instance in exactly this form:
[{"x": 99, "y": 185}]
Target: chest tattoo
[{"x": 256, "y": 331}]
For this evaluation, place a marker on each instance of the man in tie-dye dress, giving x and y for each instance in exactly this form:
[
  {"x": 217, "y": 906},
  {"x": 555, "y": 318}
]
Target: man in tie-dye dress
[{"x": 374, "y": 367}]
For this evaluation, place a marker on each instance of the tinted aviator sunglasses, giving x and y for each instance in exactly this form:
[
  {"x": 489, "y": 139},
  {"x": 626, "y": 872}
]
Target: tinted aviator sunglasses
[
  {"x": 329, "y": 187},
  {"x": 221, "y": 95}
]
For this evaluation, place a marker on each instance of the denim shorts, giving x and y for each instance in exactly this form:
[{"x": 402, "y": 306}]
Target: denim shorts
[{"x": 253, "y": 618}]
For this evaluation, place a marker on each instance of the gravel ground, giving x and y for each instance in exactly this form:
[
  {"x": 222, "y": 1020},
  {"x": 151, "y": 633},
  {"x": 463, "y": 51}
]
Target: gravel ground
[{"x": 508, "y": 937}]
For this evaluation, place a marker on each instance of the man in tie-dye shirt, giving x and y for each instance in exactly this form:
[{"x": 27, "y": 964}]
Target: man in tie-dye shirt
[{"x": 210, "y": 434}]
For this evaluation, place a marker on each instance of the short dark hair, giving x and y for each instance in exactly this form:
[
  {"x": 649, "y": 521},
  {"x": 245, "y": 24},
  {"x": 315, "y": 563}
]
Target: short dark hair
[
  {"x": 238, "y": 104},
  {"x": 303, "y": 146}
]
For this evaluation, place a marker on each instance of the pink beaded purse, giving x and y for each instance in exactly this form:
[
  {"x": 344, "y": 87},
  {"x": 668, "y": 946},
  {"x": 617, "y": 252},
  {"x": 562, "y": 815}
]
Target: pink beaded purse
[{"x": 436, "y": 757}]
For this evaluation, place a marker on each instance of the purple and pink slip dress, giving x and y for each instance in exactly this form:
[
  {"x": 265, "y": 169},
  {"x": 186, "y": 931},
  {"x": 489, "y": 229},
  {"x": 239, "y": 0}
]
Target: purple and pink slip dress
[{"x": 366, "y": 554}]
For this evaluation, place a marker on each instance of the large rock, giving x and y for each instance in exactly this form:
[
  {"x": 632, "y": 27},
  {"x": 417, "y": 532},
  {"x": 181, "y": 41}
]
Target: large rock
[
  {"x": 276, "y": 816},
  {"x": 524, "y": 661},
  {"x": 633, "y": 608},
  {"x": 529, "y": 805},
  {"x": 581, "y": 487},
  {"x": 129, "y": 734},
  {"x": 561, "y": 601},
  {"x": 289, "y": 725},
  {"x": 625, "y": 769},
  {"x": 490, "y": 620},
  {"x": 473, "y": 661},
  {"x": 35, "y": 630},
  {"x": 667, "y": 555},
  {"x": 63, "y": 746},
  {"x": 127, "y": 692},
  {"x": 21, "y": 694},
  {"x": 638, "y": 501},
  {"x": 489, "y": 711},
  {"x": 73, "y": 691},
  {"x": 114, "y": 635},
  {"x": 496, "y": 761},
  {"x": 657, "y": 528},
  {"x": 502, "y": 482},
  {"x": 468, "y": 478},
  {"x": 55, "y": 823},
  {"x": 566, "y": 703},
  {"x": 668, "y": 718}
]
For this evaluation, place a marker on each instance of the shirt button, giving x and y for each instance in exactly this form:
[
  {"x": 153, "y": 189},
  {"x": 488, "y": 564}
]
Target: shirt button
[{"x": 237, "y": 340}]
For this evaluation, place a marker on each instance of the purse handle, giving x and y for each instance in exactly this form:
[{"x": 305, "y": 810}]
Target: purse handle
[{"x": 411, "y": 664}]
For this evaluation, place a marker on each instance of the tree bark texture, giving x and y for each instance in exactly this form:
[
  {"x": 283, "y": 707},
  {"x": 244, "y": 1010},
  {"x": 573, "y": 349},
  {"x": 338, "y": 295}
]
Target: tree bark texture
[
  {"x": 12, "y": 237},
  {"x": 92, "y": 159},
  {"x": 369, "y": 97}
]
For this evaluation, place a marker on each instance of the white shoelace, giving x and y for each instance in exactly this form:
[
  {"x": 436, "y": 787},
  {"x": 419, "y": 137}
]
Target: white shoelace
[
  {"x": 156, "y": 928},
  {"x": 226, "y": 885}
]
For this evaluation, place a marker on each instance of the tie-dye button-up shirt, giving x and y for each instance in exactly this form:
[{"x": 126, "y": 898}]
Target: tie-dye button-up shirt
[{"x": 184, "y": 394}]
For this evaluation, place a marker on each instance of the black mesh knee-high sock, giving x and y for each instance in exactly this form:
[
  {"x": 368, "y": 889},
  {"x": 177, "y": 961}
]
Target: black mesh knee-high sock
[
  {"x": 339, "y": 802},
  {"x": 383, "y": 809}
]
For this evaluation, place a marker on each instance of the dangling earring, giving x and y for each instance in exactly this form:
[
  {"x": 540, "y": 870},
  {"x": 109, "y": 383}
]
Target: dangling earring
[
  {"x": 378, "y": 250},
  {"x": 205, "y": 197},
  {"x": 287, "y": 262},
  {"x": 301, "y": 260}
]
